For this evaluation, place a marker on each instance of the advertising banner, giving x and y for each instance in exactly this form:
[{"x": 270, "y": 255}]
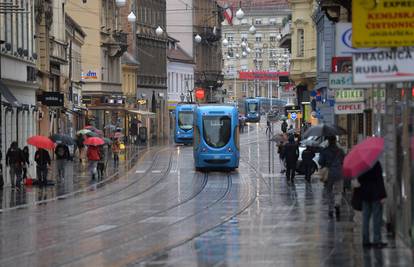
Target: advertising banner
[
  {"x": 349, "y": 108},
  {"x": 343, "y": 41},
  {"x": 261, "y": 75},
  {"x": 392, "y": 65},
  {"x": 383, "y": 23},
  {"x": 349, "y": 95}
]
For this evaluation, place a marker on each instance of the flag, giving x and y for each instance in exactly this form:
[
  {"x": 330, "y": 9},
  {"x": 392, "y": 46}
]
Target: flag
[{"x": 228, "y": 14}]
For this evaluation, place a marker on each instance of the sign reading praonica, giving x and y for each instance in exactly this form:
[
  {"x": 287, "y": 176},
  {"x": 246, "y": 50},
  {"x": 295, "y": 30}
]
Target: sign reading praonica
[
  {"x": 382, "y": 23},
  {"x": 391, "y": 65}
]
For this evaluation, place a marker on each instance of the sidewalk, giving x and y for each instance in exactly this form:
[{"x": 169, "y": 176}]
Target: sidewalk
[{"x": 76, "y": 178}]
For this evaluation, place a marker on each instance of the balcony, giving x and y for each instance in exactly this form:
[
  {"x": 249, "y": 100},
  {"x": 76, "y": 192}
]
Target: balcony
[
  {"x": 116, "y": 43},
  {"x": 58, "y": 51},
  {"x": 285, "y": 42}
]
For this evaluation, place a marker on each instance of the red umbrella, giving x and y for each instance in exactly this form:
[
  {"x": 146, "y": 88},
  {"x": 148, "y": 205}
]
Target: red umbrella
[
  {"x": 363, "y": 156},
  {"x": 94, "y": 141},
  {"x": 40, "y": 141}
]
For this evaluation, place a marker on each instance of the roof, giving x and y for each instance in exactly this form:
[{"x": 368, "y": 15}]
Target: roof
[
  {"x": 129, "y": 59},
  {"x": 179, "y": 55}
]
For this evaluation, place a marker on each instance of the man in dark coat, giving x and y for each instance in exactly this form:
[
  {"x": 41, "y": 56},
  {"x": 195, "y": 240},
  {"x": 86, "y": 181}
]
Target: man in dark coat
[
  {"x": 42, "y": 159},
  {"x": 291, "y": 155},
  {"x": 15, "y": 161},
  {"x": 373, "y": 195},
  {"x": 284, "y": 126},
  {"x": 307, "y": 161}
]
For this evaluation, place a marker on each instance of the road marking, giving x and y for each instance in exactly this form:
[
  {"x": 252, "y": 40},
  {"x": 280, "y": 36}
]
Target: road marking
[
  {"x": 101, "y": 228},
  {"x": 140, "y": 171},
  {"x": 156, "y": 171}
]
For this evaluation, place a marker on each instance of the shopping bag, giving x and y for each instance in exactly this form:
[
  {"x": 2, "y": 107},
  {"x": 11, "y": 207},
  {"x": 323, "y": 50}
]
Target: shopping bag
[
  {"x": 28, "y": 181},
  {"x": 122, "y": 146}
]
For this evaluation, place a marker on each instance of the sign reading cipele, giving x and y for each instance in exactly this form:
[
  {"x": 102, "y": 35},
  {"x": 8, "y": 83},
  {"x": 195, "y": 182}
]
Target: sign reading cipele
[
  {"x": 391, "y": 65},
  {"x": 349, "y": 108},
  {"x": 342, "y": 81}
]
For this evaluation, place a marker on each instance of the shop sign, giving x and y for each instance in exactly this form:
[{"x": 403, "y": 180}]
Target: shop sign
[
  {"x": 289, "y": 94},
  {"x": 90, "y": 75},
  {"x": 383, "y": 23},
  {"x": 343, "y": 41},
  {"x": 86, "y": 99},
  {"x": 141, "y": 101},
  {"x": 349, "y": 95},
  {"x": 261, "y": 75},
  {"x": 384, "y": 66},
  {"x": 52, "y": 99},
  {"x": 292, "y": 108},
  {"x": 343, "y": 80},
  {"x": 349, "y": 108}
]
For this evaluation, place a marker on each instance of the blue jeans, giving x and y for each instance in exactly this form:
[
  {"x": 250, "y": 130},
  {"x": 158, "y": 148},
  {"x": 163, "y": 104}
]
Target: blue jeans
[{"x": 373, "y": 209}]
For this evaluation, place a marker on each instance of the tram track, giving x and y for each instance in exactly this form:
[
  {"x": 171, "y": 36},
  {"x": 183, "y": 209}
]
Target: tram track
[{"x": 75, "y": 206}]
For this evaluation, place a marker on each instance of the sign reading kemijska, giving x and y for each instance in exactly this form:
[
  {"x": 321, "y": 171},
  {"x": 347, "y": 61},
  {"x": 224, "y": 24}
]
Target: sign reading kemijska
[{"x": 382, "y": 23}]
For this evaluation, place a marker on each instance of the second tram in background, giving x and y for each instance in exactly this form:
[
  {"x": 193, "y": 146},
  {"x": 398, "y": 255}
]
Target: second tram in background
[
  {"x": 252, "y": 109},
  {"x": 184, "y": 120},
  {"x": 216, "y": 137}
]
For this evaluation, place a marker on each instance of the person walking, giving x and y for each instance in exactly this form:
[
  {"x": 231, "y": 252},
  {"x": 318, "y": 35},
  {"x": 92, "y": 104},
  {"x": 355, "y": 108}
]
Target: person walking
[
  {"x": 307, "y": 161},
  {"x": 93, "y": 158},
  {"x": 280, "y": 151},
  {"x": 332, "y": 158},
  {"x": 62, "y": 154},
  {"x": 79, "y": 143},
  {"x": 102, "y": 161},
  {"x": 42, "y": 159},
  {"x": 116, "y": 149},
  {"x": 268, "y": 128},
  {"x": 26, "y": 161},
  {"x": 373, "y": 195},
  {"x": 291, "y": 155},
  {"x": 15, "y": 161},
  {"x": 284, "y": 126}
]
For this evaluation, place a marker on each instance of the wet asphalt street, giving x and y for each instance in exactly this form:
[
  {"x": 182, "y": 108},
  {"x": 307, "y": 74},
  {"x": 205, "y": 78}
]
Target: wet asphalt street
[{"x": 163, "y": 213}]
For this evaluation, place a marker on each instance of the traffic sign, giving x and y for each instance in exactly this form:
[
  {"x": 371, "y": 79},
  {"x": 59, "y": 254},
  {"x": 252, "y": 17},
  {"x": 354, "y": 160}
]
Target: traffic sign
[{"x": 293, "y": 115}]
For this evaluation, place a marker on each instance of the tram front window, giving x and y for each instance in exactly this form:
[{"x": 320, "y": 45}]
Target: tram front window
[
  {"x": 253, "y": 107},
  {"x": 216, "y": 130},
  {"x": 185, "y": 120}
]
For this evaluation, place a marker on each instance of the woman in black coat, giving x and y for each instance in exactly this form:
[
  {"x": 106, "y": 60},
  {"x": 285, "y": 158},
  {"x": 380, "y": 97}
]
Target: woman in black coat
[{"x": 373, "y": 195}]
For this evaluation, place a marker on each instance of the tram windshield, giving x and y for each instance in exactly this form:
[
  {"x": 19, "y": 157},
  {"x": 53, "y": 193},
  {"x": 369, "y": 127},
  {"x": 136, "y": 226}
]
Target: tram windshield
[
  {"x": 252, "y": 107},
  {"x": 185, "y": 120},
  {"x": 216, "y": 130}
]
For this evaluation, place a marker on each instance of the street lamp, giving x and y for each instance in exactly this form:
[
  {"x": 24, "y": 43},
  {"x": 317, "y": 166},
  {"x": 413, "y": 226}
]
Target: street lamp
[
  {"x": 198, "y": 38},
  {"x": 252, "y": 29},
  {"x": 225, "y": 42},
  {"x": 120, "y": 3},
  {"x": 243, "y": 44},
  {"x": 240, "y": 14},
  {"x": 159, "y": 31},
  {"x": 131, "y": 17}
]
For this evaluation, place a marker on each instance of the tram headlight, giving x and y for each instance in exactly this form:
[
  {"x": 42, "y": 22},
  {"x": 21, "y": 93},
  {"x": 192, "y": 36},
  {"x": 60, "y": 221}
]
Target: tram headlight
[
  {"x": 204, "y": 149},
  {"x": 229, "y": 149},
  {"x": 178, "y": 132}
]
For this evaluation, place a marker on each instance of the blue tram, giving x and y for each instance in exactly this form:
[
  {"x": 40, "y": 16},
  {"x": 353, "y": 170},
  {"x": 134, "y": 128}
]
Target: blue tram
[
  {"x": 184, "y": 120},
  {"x": 252, "y": 109},
  {"x": 216, "y": 137}
]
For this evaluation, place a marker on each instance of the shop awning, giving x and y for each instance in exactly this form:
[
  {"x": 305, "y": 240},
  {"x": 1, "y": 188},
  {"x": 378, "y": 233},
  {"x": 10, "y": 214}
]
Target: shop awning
[
  {"x": 8, "y": 95},
  {"x": 142, "y": 112}
]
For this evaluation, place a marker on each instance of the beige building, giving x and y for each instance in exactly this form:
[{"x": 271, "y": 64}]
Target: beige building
[
  {"x": 252, "y": 45},
  {"x": 303, "y": 42},
  {"x": 105, "y": 43}
]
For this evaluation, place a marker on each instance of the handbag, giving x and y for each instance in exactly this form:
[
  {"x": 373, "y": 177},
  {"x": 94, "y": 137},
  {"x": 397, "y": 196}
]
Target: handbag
[
  {"x": 356, "y": 200},
  {"x": 324, "y": 174}
]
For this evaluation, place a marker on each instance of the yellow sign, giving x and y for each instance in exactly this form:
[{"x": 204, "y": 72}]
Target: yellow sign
[
  {"x": 382, "y": 23},
  {"x": 142, "y": 101}
]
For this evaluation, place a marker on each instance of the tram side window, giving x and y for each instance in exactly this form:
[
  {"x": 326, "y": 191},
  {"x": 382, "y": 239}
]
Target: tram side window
[
  {"x": 185, "y": 120},
  {"x": 216, "y": 130}
]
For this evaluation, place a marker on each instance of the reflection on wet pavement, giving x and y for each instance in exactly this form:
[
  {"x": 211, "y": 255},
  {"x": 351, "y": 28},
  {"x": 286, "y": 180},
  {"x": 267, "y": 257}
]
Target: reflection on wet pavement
[{"x": 163, "y": 213}]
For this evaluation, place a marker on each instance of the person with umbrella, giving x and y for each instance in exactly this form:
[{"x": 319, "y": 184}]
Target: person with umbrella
[
  {"x": 62, "y": 154},
  {"x": 363, "y": 162},
  {"x": 93, "y": 154},
  {"x": 307, "y": 161},
  {"x": 116, "y": 149},
  {"x": 331, "y": 158},
  {"x": 102, "y": 161},
  {"x": 79, "y": 143},
  {"x": 15, "y": 161},
  {"x": 42, "y": 159}
]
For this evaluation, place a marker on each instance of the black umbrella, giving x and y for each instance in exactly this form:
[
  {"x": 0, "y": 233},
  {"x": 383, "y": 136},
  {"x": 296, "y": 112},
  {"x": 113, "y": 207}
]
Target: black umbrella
[
  {"x": 153, "y": 103},
  {"x": 324, "y": 130},
  {"x": 65, "y": 139}
]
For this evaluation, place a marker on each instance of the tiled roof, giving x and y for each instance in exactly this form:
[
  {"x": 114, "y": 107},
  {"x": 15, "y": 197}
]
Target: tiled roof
[{"x": 179, "y": 55}]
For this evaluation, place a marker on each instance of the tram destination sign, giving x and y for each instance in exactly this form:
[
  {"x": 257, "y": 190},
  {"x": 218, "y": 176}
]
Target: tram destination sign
[
  {"x": 383, "y": 23},
  {"x": 390, "y": 65}
]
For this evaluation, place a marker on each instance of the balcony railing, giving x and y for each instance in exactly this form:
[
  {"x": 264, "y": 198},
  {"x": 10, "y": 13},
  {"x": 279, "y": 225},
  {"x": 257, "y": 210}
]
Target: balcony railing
[{"x": 58, "y": 51}]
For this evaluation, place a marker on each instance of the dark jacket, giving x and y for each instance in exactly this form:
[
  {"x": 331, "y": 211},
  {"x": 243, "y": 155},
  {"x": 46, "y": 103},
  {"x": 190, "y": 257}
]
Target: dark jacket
[
  {"x": 26, "y": 157},
  {"x": 372, "y": 184},
  {"x": 62, "y": 151},
  {"x": 332, "y": 157},
  {"x": 307, "y": 156},
  {"x": 14, "y": 157},
  {"x": 291, "y": 154},
  {"x": 284, "y": 127},
  {"x": 42, "y": 158}
]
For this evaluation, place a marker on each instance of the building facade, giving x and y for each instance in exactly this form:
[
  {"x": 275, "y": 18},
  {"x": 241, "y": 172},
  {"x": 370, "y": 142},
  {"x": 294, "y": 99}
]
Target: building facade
[
  {"x": 18, "y": 83},
  {"x": 253, "y": 45},
  {"x": 105, "y": 43}
]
